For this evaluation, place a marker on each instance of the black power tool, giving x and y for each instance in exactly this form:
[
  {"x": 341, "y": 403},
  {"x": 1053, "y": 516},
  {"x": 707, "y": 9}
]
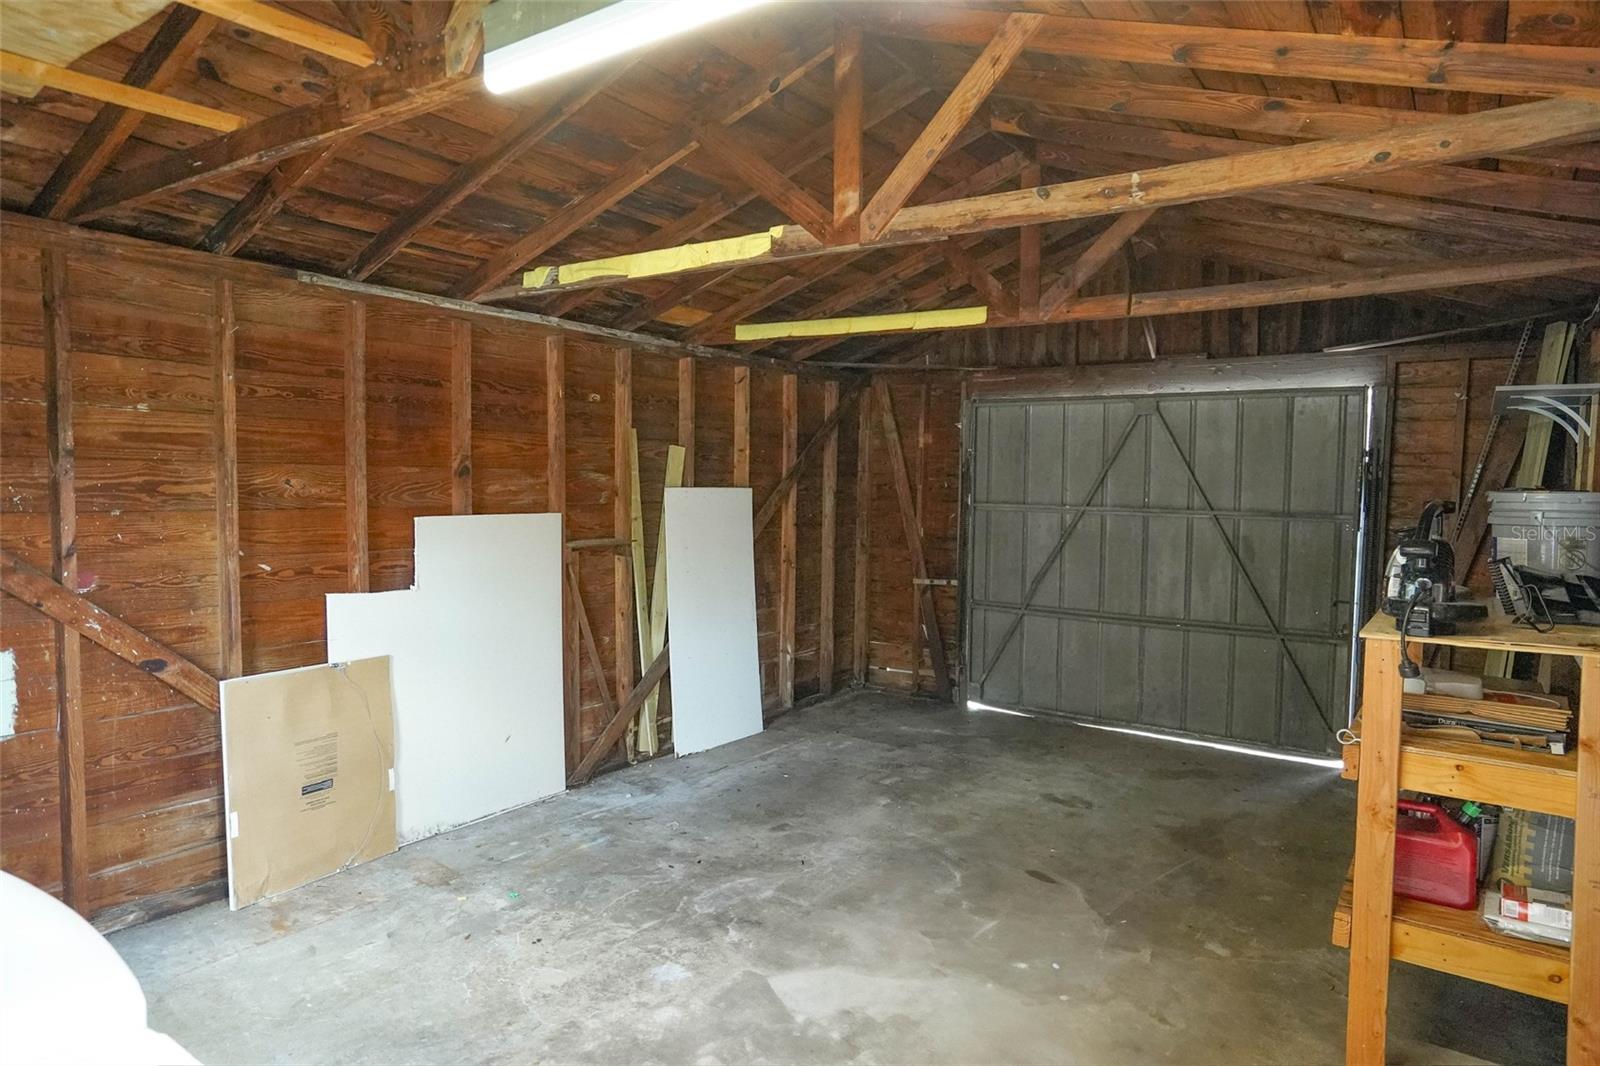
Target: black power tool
[{"x": 1421, "y": 592}]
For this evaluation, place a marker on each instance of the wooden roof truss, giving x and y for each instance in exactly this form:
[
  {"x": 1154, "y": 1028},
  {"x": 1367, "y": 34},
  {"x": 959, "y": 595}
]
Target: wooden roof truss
[{"x": 887, "y": 157}]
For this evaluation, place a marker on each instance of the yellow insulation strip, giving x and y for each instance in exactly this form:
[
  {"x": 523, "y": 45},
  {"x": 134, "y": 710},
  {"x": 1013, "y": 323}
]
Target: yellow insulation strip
[
  {"x": 838, "y": 327},
  {"x": 677, "y": 260}
]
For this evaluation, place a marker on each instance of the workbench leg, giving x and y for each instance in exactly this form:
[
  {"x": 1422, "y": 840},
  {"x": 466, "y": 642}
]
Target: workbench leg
[
  {"x": 1372, "y": 905},
  {"x": 1583, "y": 1006}
]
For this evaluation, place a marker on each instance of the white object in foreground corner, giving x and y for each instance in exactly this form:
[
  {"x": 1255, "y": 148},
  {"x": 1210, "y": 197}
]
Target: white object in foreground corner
[
  {"x": 617, "y": 28},
  {"x": 66, "y": 996},
  {"x": 476, "y": 660},
  {"x": 711, "y": 607}
]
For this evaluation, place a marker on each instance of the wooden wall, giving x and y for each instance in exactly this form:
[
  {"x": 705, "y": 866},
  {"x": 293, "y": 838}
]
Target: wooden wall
[{"x": 458, "y": 415}]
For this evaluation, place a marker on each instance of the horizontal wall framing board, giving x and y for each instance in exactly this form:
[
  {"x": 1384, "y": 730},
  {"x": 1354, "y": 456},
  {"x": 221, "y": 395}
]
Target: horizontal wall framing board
[
  {"x": 478, "y": 679},
  {"x": 308, "y": 774},
  {"x": 711, "y": 600}
]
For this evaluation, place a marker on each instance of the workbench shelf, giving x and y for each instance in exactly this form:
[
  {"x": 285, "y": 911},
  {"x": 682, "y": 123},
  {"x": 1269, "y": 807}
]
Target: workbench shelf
[
  {"x": 1458, "y": 942},
  {"x": 1378, "y": 928},
  {"x": 1462, "y": 769}
]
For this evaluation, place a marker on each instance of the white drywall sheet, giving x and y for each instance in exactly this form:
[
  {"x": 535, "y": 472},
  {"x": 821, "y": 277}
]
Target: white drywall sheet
[
  {"x": 476, "y": 647},
  {"x": 307, "y": 774},
  {"x": 711, "y": 618}
]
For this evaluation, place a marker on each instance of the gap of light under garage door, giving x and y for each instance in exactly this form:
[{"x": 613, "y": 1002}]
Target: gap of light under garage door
[{"x": 1237, "y": 749}]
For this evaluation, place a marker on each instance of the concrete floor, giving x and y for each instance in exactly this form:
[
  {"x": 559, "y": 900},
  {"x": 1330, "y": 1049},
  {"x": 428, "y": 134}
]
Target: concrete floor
[{"x": 871, "y": 880}]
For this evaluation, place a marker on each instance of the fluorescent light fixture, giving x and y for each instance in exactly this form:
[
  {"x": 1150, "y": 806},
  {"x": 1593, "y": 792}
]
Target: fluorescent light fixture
[{"x": 593, "y": 37}]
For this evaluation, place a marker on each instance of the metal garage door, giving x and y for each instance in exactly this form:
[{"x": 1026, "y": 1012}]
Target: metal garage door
[{"x": 1182, "y": 563}]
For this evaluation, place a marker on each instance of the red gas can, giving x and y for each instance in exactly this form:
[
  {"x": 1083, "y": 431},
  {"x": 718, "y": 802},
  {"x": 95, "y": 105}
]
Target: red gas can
[{"x": 1435, "y": 856}]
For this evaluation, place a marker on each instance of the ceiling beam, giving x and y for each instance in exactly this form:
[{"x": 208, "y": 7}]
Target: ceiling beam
[
  {"x": 977, "y": 275},
  {"x": 1484, "y": 188},
  {"x": 1029, "y": 249},
  {"x": 119, "y": 93},
  {"x": 814, "y": 146},
  {"x": 1025, "y": 90},
  {"x": 264, "y": 200},
  {"x": 747, "y": 94},
  {"x": 957, "y": 110},
  {"x": 1114, "y": 306},
  {"x": 1108, "y": 244},
  {"x": 1002, "y": 169},
  {"x": 1511, "y": 69},
  {"x": 767, "y": 180},
  {"x": 168, "y": 53},
  {"x": 848, "y": 79},
  {"x": 523, "y": 133},
  {"x": 276, "y": 22},
  {"x": 364, "y": 102},
  {"x": 1449, "y": 139}
]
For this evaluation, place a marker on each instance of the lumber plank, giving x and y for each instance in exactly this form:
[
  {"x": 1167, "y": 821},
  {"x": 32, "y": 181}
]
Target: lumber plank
[
  {"x": 641, "y": 586},
  {"x": 166, "y": 56},
  {"x": 75, "y": 611},
  {"x": 621, "y": 518},
  {"x": 1509, "y": 69},
  {"x": 60, "y": 448},
  {"x": 649, "y": 742},
  {"x": 285, "y": 25},
  {"x": 788, "y": 535},
  {"x": 848, "y": 82},
  {"x": 1372, "y": 905},
  {"x": 555, "y": 482},
  {"x": 913, "y": 533},
  {"x": 686, "y": 416},
  {"x": 358, "y": 575},
  {"x": 230, "y": 619},
  {"x": 1004, "y": 46},
  {"x": 617, "y": 727},
  {"x": 118, "y": 93}
]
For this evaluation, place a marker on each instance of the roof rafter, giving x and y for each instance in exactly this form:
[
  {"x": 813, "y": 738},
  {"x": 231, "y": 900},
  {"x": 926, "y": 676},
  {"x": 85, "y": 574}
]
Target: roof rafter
[
  {"x": 957, "y": 110},
  {"x": 1446, "y": 140},
  {"x": 358, "y": 104},
  {"x": 1412, "y": 278},
  {"x": 1511, "y": 69},
  {"x": 505, "y": 147},
  {"x": 749, "y": 93},
  {"x": 168, "y": 53}
]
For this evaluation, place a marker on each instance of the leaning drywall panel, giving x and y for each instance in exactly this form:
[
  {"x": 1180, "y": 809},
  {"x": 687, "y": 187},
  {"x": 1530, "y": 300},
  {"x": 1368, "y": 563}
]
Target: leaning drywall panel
[
  {"x": 307, "y": 774},
  {"x": 478, "y": 681},
  {"x": 711, "y": 615}
]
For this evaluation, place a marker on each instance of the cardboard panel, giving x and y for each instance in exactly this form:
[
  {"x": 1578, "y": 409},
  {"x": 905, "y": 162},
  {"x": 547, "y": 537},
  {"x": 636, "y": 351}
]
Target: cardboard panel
[
  {"x": 308, "y": 774},
  {"x": 711, "y": 618},
  {"x": 478, "y": 684}
]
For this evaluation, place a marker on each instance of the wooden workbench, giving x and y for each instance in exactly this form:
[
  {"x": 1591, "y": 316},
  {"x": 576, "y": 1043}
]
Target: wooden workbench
[{"x": 1378, "y": 928}]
